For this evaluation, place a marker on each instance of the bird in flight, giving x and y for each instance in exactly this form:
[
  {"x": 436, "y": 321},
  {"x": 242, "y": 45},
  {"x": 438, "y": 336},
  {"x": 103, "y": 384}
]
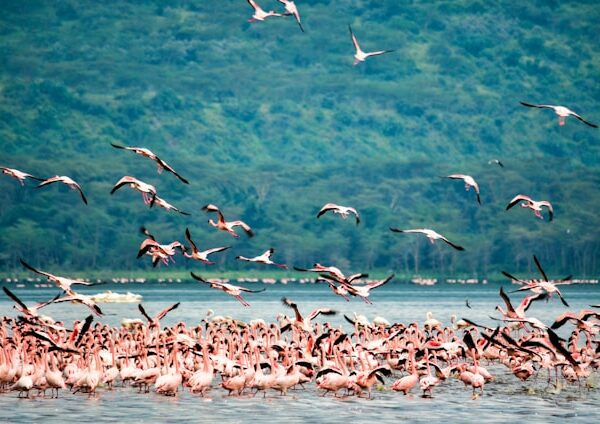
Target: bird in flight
[
  {"x": 562, "y": 112},
  {"x": 161, "y": 164},
  {"x": 291, "y": 9},
  {"x": 361, "y": 56},
  {"x": 67, "y": 181},
  {"x": 343, "y": 211},
  {"x": 535, "y": 206},
  {"x": 18, "y": 175},
  {"x": 469, "y": 182},
  {"x": 430, "y": 234},
  {"x": 227, "y": 226}
]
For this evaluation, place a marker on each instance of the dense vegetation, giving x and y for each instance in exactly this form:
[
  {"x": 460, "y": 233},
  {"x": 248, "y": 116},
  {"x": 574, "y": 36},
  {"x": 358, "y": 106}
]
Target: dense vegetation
[{"x": 270, "y": 123}]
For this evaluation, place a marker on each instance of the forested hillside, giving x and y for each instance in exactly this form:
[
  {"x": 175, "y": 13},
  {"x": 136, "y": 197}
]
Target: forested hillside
[{"x": 270, "y": 123}]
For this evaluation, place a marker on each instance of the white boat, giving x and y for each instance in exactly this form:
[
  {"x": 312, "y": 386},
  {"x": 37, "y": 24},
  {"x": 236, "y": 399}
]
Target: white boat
[{"x": 111, "y": 297}]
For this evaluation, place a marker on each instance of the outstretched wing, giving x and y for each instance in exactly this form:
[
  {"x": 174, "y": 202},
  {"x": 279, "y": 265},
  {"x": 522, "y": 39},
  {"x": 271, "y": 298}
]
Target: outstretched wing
[
  {"x": 326, "y": 208},
  {"x": 143, "y": 311},
  {"x": 188, "y": 237},
  {"x": 165, "y": 311},
  {"x": 456, "y": 246},
  {"x": 583, "y": 120},
  {"x": 84, "y": 328},
  {"x": 381, "y": 283},
  {"x": 37, "y": 271},
  {"x": 354, "y": 40},
  {"x": 538, "y": 106},
  {"x": 539, "y": 267},
  {"x": 14, "y": 298},
  {"x": 516, "y": 200}
]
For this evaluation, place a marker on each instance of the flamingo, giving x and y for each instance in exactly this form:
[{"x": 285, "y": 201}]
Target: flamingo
[
  {"x": 29, "y": 311},
  {"x": 18, "y": 175},
  {"x": 430, "y": 234},
  {"x": 259, "y": 14},
  {"x": 158, "y": 252},
  {"x": 339, "y": 290},
  {"x": 162, "y": 165},
  {"x": 81, "y": 299},
  {"x": 469, "y": 182},
  {"x": 359, "y": 55},
  {"x": 198, "y": 255},
  {"x": 343, "y": 211},
  {"x": 230, "y": 289},
  {"x": 562, "y": 113},
  {"x": 333, "y": 271},
  {"x": 291, "y": 9},
  {"x": 62, "y": 282},
  {"x": 148, "y": 191},
  {"x": 227, "y": 226},
  {"x": 265, "y": 258},
  {"x": 300, "y": 321},
  {"x": 406, "y": 383},
  {"x": 156, "y": 319},
  {"x": 363, "y": 291},
  {"x": 535, "y": 206},
  {"x": 73, "y": 342},
  {"x": 159, "y": 201},
  {"x": 67, "y": 181}
]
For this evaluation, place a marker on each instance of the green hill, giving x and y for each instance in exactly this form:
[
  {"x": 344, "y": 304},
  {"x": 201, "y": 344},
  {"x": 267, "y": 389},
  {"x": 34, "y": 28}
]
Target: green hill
[{"x": 270, "y": 123}]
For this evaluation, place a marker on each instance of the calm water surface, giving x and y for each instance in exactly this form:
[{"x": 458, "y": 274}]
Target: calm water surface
[{"x": 504, "y": 399}]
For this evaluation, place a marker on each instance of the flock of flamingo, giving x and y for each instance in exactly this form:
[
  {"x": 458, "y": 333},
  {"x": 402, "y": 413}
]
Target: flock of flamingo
[{"x": 38, "y": 354}]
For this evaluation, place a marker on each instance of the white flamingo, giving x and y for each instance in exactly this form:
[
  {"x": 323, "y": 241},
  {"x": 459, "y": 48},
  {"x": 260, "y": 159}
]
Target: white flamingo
[{"x": 361, "y": 56}]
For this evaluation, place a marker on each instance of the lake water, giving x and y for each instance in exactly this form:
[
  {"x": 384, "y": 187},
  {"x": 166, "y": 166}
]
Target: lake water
[{"x": 505, "y": 398}]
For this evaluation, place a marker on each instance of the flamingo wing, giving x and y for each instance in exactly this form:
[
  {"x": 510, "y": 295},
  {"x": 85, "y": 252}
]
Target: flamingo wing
[
  {"x": 15, "y": 298},
  {"x": 188, "y": 237},
  {"x": 516, "y": 200},
  {"x": 37, "y": 271},
  {"x": 456, "y": 246},
  {"x": 381, "y": 283},
  {"x": 143, "y": 311},
  {"x": 354, "y": 40},
  {"x": 378, "y": 53},
  {"x": 326, "y": 208},
  {"x": 165, "y": 311},
  {"x": 538, "y": 106},
  {"x": 244, "y": 226},
  {"x": 583, "y": 120}
]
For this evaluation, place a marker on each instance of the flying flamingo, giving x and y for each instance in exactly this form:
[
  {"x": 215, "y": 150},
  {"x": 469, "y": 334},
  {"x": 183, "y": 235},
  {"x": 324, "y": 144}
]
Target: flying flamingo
[
  {"x": 265, "y": 258},
  {"x": 18, "y": 175},
  {"x": 162, "y": 165},
  {"x": 362, "y": 291},
  {"x": 198, "y": 255},
  {"x": 431, "y": 235},
  {"x": 230, "y": 289},
  {"x": 359, "y": 55},
  {"x": 291, "y": 9},
  {"x": 29, "y": 311},
  {"x": 156, "y": 319},
  {"x": 469, "y": 182},
  {"x": 343, "y": 211},
  {"x": 227, "y": 226},
  {"x": 259, "y": 14},
  {"x": 159, "y": 201},
  {"x": 148, "y": 191},
  {"x": 67, "y": 181},
  {"x": 535, "y": 206},
  {"x": 300, "y": 321},
  {"x": 62, "y": 282},
  {"x": 562, "y": 113}
]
